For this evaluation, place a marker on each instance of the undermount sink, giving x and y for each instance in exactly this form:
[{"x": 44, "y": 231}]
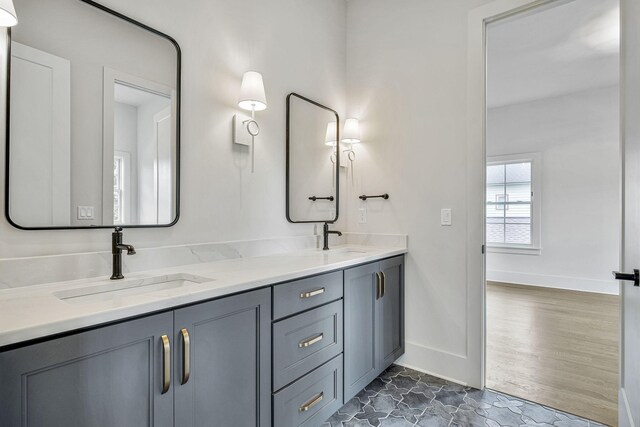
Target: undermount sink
[{"x": 104, "y": 292}]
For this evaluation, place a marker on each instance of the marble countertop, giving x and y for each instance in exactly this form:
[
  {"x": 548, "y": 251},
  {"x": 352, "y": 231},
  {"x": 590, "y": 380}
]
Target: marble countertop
[{"x": 38, "y": 311}]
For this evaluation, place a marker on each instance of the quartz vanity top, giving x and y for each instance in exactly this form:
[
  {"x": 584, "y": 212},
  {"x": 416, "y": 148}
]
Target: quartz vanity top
[{"x": 48, "y": 309}]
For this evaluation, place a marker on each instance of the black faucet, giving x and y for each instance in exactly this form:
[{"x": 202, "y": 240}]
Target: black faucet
[
  {"x": 116, "y": 250},
  {"x": 326, "y": 233}
]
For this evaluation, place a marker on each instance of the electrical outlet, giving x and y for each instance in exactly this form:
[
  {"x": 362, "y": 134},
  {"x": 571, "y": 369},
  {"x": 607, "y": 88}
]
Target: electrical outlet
[
  {"x": 445, "y": 217},
  {"x": 362, "y": 217}
]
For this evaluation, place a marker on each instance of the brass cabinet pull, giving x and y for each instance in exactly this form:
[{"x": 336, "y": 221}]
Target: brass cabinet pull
[
  {"x": 384, "y": 284},
  {"x": 378, "y": 286},
  {"x": 313, "y": 402},
  {"x": 310, "y": 294},
  {"x": 186, "y": 355},
  {"x": 166, "y": 364},
  {"x": 310, "y": 341}
]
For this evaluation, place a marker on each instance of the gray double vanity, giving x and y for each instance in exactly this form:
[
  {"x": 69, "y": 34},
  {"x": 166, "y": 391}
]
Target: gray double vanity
[
  {"x": 280, "y": 339},
  {"x": 287, "y": 354}
]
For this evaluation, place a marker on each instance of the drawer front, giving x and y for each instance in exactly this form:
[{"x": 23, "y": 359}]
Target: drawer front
[
  {"x": 312, "y": 399},
  {"x": 294, "y": 297},
  {"x": 306, "y": 341}
]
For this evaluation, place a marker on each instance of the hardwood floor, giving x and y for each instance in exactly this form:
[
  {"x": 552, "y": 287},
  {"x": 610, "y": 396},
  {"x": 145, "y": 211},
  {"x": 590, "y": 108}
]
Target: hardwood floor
[{"x": 554, "y": 347}]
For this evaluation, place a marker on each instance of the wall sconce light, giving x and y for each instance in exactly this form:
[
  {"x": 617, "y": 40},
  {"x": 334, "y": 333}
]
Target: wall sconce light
[
  {"x": 331, "y": 140},
  {"x": 252, "y": 98},
  {"x": 351, "y": 135},
  {"x": 8, "y": 17}
]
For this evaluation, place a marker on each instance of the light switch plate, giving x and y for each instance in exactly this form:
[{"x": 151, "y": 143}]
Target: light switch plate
[
  {"x": 240, "y": 134},
  {"x": 86, "y": 212},
  {"x": 445, "y": 217}
]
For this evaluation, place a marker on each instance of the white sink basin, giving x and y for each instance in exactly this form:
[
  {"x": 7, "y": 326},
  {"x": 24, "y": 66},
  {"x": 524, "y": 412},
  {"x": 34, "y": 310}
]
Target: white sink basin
[{"x": 121, "y": 288}]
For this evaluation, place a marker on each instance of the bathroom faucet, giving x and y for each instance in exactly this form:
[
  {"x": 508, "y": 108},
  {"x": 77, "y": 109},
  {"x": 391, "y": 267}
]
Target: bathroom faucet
[
  {"x": 326, "y": 233},
  {"x": 116, "y": 250}
]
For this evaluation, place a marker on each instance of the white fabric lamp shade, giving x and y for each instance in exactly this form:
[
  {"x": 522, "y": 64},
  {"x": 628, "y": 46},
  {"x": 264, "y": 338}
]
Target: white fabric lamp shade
[
  {"x": 8, "y": 17},
  {"x": 252, "y": 95},
  {"x": 351, "y": 132},
  {"x": 331, "y": 139}
]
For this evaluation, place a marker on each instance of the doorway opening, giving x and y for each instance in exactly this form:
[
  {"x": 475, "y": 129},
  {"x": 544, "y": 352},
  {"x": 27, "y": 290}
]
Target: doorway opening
[{"x": 552, "y": 206}]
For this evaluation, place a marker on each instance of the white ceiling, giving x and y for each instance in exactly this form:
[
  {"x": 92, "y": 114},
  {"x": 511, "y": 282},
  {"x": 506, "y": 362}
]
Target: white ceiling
[{"x": 567, "y": 47}]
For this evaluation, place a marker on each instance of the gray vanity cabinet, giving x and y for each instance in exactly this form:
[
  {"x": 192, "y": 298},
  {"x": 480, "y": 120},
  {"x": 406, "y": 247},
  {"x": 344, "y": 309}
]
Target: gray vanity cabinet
[
  {"x": 227, "y": 380},
  {"x": 391, "y": 331},
  {"x": 373, "y": 321},
  {"x": 107, "y": 377}
]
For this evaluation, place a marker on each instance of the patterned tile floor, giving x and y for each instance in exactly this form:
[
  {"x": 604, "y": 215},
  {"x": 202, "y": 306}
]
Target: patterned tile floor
[{"x": 402, "y": 397}]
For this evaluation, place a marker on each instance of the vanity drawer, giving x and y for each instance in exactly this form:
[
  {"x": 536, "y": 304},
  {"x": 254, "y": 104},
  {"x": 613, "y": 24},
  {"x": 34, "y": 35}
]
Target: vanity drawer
[
  {"x": 294, "y": 297},
  {"x": 312, "y": 399},
  {"x": 306, "y": 341}
]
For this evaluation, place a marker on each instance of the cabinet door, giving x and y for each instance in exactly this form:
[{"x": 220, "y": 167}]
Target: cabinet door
[
  {"x": 391, "y": 330},
  {"x": 107, "y": 377},
  {"x": 360, "y": 325},
  {"x": 229, "y": 381}
]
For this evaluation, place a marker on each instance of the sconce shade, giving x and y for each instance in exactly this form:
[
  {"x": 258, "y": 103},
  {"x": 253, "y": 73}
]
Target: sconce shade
[
  {"x": 332, "y": 134},
  {"x": 351, "y": 133},
  {"x": 8, "y": 17},
  {"x": 252, "y": 95}
]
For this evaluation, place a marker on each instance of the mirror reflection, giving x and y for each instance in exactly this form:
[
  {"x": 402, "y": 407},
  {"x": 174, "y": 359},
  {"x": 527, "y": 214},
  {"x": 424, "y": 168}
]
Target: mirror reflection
[
  {"x": 93, "y": 119},
  {"x": 312, "y": 161}
]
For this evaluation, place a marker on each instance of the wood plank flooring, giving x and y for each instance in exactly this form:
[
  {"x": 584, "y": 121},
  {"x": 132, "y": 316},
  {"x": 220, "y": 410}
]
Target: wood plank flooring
[{"x": 554, "y": 347}]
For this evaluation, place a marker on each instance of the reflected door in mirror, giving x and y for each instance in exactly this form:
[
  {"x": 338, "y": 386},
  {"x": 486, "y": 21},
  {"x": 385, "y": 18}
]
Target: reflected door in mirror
[{"x": 93, "y": 117}]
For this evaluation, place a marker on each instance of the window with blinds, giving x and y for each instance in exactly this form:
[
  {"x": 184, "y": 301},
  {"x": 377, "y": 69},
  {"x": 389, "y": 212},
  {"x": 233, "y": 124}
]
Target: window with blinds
[{"x": 510, "y": 203}]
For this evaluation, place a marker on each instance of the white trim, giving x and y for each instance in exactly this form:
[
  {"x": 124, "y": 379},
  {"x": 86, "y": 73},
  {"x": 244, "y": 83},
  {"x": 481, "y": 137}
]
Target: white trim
[
  {"x": 433, "y": 374},
  {"x": 476, "y": 176},
  {"x": 625, "y": 417},
  {"x": 110, "y": 78},
  {"x": 609, "y": 287},
  {"x": 443, "y": 364},
  {"x": 515, "y": 250}
]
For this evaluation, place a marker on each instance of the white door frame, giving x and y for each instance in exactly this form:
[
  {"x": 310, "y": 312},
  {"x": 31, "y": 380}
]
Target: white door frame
[
  {"x": 110, "y": 78},
  {"x": 478, "y": 20}
]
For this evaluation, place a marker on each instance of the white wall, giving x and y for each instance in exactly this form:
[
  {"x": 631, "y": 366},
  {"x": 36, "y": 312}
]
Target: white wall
[
  {"x": 297, "y": 45},
  {"x": 578, "y": 138},
  {"x": 407, "y": 74}
]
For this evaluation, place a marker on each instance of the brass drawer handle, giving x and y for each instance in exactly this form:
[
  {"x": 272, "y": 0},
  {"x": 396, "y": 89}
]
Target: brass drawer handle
[
  {"x": 186, "y": 355},
  {"x": 166, "y": 364},
  {"x": 310, "y": 341},
  {"x": 383, "y": 286},
  {"x": 313, "y": 402},
  {"x": 310, "y": 294}
]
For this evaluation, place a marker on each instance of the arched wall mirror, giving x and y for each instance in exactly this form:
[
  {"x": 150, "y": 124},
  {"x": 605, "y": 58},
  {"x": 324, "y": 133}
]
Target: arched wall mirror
[{"x": 93, "y": 126}]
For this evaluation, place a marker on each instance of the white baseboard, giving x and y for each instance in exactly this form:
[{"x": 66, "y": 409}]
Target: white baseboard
[
  {"x": 609, "y": 287},
  {"x": 442, "y": 364},
  {"x": 625, "y": 418}
]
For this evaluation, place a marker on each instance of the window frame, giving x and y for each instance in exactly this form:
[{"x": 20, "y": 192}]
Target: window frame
[{"x": 535, "y": 247}]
